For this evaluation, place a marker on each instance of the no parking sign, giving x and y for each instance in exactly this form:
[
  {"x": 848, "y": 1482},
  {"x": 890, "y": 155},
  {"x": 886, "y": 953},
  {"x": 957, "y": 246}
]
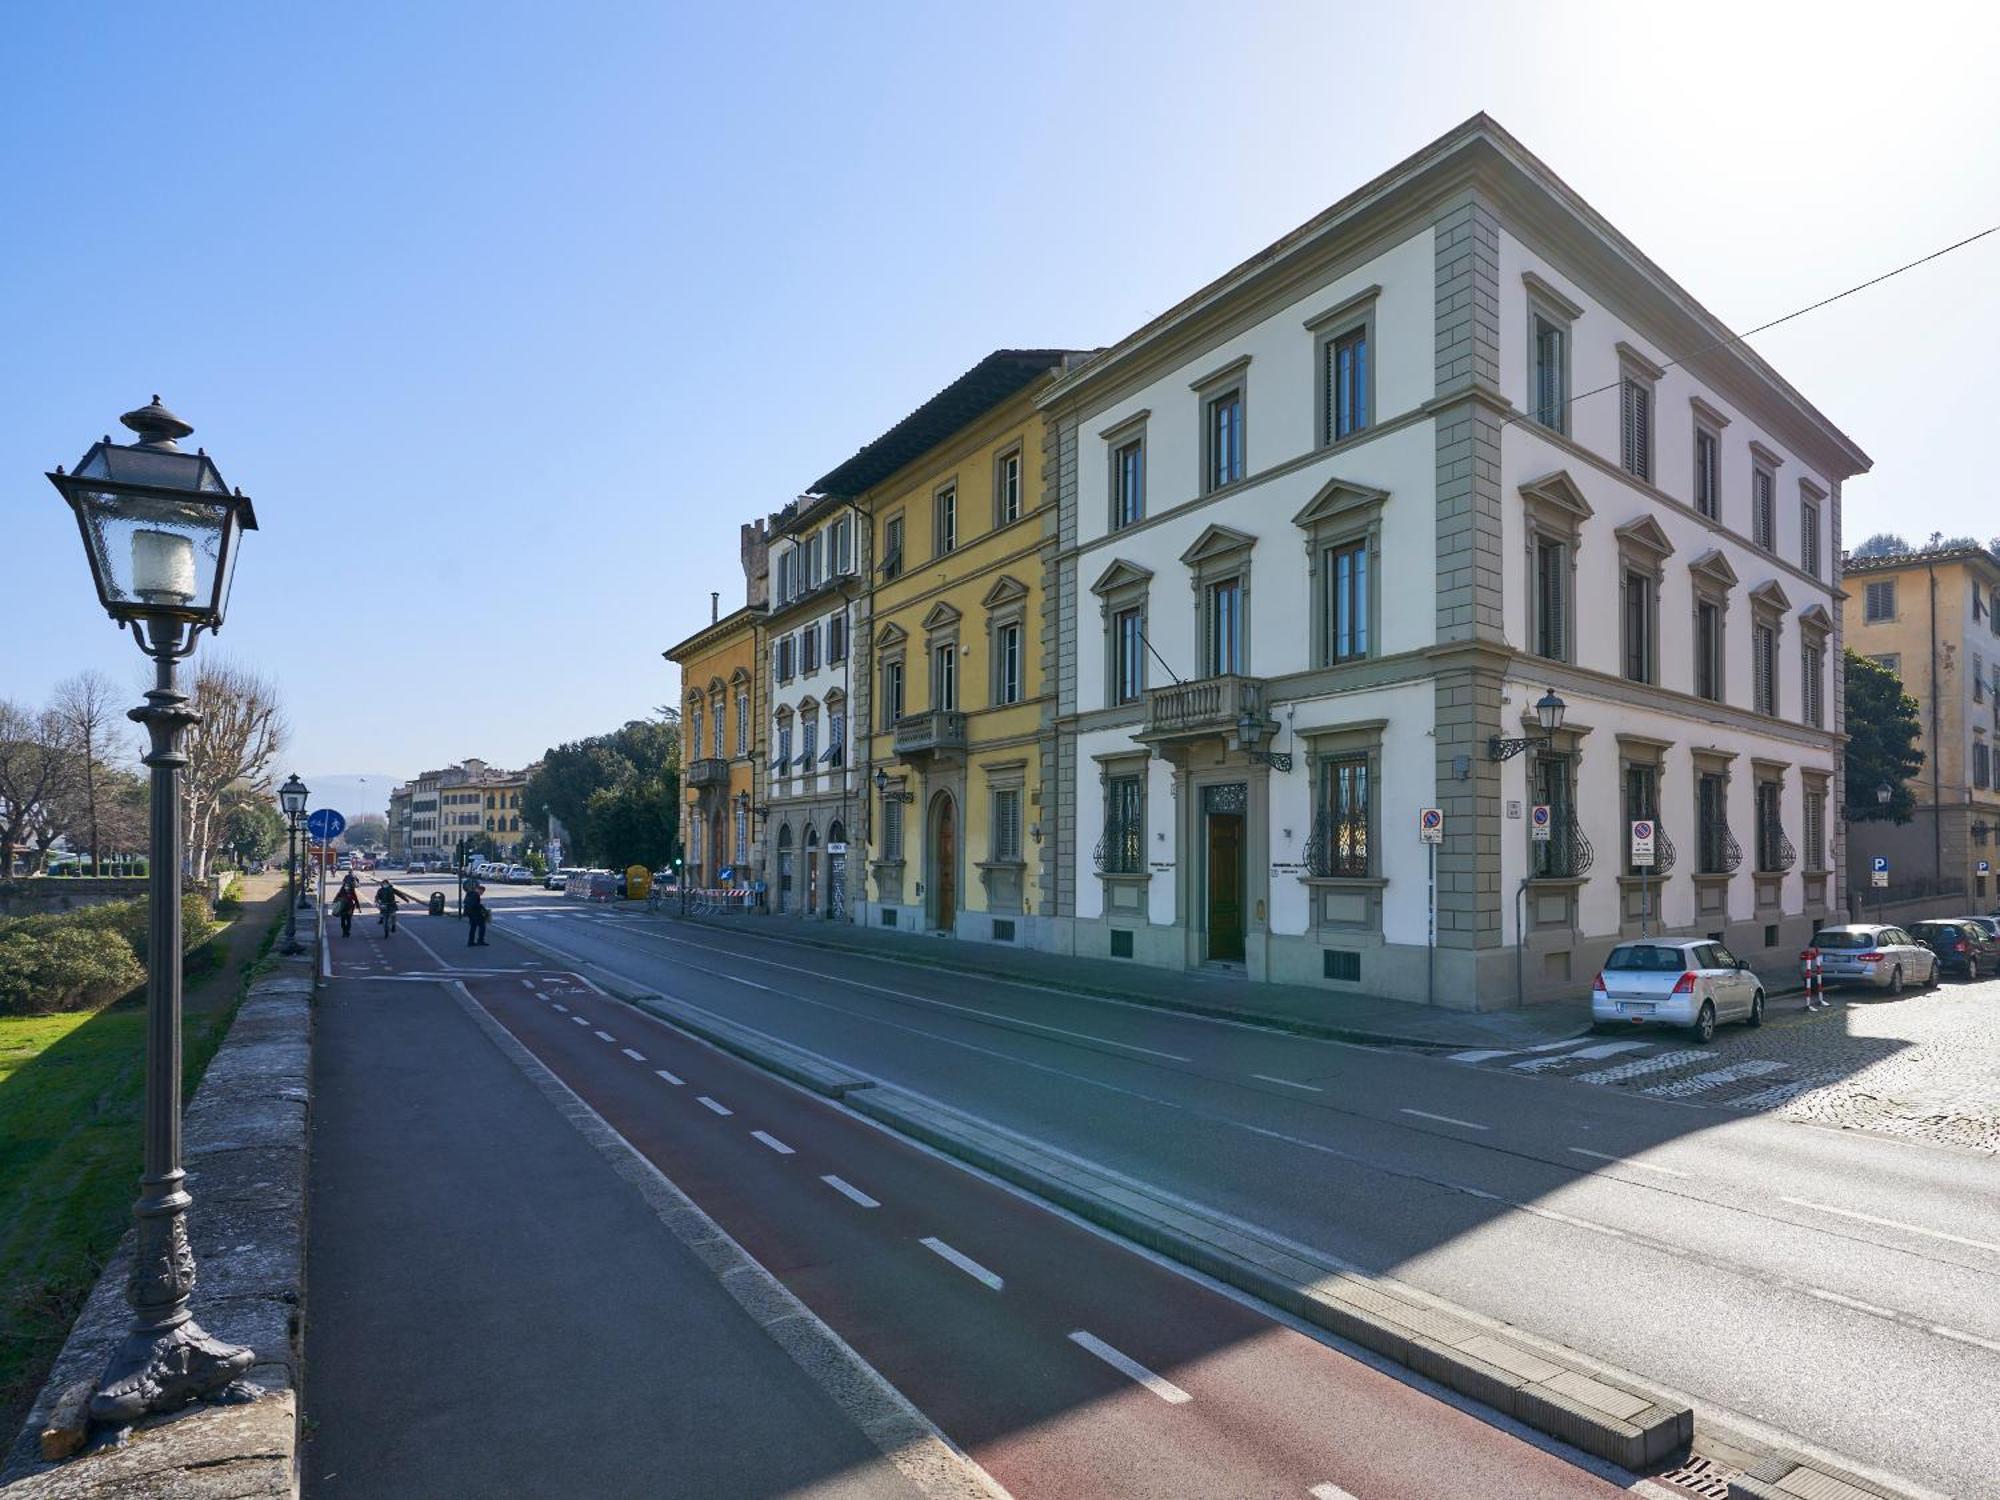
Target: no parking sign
[
  {"x": 1538, "y": 823},
  {"x": 1430, "y": 825},
  {"x": 1642, "y": 842}
]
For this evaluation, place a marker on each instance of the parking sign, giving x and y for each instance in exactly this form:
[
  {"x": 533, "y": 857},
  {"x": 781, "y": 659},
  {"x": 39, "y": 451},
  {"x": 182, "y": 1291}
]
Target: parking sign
[
  {"x": 1642, "y": 843},
  {"x": 1538, "y": 823},
  {"x": 1430, "y": 825}
]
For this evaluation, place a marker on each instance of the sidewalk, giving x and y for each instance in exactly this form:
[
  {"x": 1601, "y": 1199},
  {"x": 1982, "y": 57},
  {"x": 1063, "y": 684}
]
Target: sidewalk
[
  {"x": 1287, "y": 1007},
  {"x": 495, "y": 1310}
]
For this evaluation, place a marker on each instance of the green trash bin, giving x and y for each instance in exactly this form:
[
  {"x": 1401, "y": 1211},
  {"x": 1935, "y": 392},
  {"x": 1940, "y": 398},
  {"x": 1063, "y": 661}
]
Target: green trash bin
[{"x": 437, "y": 903}]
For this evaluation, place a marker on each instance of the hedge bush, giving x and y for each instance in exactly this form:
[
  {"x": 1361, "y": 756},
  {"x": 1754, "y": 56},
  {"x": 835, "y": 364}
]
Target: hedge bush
[{"x": 87, "y": 958}]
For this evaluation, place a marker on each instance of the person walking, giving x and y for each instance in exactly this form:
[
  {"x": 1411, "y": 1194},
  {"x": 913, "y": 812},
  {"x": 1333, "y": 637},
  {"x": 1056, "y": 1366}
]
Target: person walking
[
  {"x": 347, "y": 901},
  {"x": 476, "y": 913}
]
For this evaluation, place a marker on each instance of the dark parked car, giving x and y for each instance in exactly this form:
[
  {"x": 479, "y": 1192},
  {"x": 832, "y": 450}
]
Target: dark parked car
[{"x": 1963, "y": 947}]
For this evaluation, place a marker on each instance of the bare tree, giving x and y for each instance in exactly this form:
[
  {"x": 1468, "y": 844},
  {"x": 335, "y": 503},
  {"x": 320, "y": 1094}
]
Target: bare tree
[
  {"x": 241, "y": 731},
  {"x": 90, "y": 709},
  {"x": 37, "y": 770}
]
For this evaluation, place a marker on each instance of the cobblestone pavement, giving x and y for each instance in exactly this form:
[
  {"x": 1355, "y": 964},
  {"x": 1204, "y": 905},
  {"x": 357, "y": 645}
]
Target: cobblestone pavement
[{"x": 1925, "y": 1066}]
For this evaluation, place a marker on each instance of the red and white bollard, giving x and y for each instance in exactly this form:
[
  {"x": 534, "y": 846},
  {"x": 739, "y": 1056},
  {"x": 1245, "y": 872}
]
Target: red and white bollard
[{"x": 1810, "y": 966}]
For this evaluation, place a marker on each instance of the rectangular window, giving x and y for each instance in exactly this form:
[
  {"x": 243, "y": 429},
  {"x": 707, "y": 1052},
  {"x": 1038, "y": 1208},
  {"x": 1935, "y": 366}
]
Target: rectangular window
[
  {"x": 1551, "y": 399},
  {"x": 815, "y": 558},
  {"x": 1551, "y": 600},
  {"x": 742, "y": 723},
  {"x": 1809, "y": 537},
  {"x": 1554, "y": 858},
  {"x": 1129, "y": 642},
  {"x": 1007, "y": 490},
  {"x": 1708, "y": 473},
  {"x": 1225, "y": 627},
  {"x": 892, "y": 693},
  {"x": 787, "y": 649},
  {"x": 1347, "y": 384},
  {"x": 1880, "y": 601},
  {"x": 694, "y": 730},
  {"x": 1642, "y": 800},
  {"x": 1712, "y": 807},
  {"x": 944, "y": 533},
  {"x": 892, "y": 829},
  {"x": 1346, "y": 601},
  {"x": 1770, "y": 831},
  {"x": 782, "y": 761},
  {"x": 1978, "y": 675},
  {"x": 1763, "y": 508},
  {"x": 1981, "y": 765},
  {"x": 809, "y": 745},
  {"x": 721, "y": 722},
  {"x": 1890, "y": 663},
  {"x": 1225, "y": 439},
  {"x": 1638, "y": 627},
  {"x": 1812, "y": 686},
  {"x": 1636, "y": 428},
  {"x": 843, "y": 545},
  {"x": 836, "y": 638},
  {"x": 1343, "y": 841},
  {"x": 892, "y": 547},
  {"x": 944, "y": 678},
  {"x": 1123, "y": 850},
  {"x": 787, "y": 563},
  {"x": 1764, "y": 669},
  {"x": 809, "y": 649},
  {"x": 1708, "y": 651},
  {"x": 1007, "y": 664},
  {"x": 836, "y": 738},
  {"x": 1128, "y": 479},
  {"x": 1007, "y": 825},
  {"x": 1815, "y": 828},
  {"x": 742, "y": 834}
]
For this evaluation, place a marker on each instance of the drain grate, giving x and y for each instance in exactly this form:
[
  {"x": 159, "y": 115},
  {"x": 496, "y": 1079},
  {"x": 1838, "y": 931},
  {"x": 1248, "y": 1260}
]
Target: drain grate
[{"x": 1700, "y": 1476}]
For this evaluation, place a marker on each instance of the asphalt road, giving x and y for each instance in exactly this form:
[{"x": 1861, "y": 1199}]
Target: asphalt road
[
  {"x": 1064, "y": 1363},
  {"x": 1837, "y": 1287}
]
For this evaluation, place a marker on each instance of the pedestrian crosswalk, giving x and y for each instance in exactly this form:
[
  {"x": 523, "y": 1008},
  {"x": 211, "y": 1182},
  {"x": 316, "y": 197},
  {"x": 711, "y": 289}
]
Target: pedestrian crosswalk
[{"x": 1658, "y": 1070}]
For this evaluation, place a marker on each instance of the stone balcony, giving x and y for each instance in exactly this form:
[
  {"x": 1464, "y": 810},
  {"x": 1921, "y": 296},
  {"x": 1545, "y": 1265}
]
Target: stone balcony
[
  {"x": 708, "y": 772},
  {"x": 1190, "y": 711},
  {"x": 937, "y": 732}
]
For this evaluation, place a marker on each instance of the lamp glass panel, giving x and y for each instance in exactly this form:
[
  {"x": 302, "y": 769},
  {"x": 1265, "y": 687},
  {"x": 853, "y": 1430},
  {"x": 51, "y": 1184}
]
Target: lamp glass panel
[{"x": 150, "y": 550}]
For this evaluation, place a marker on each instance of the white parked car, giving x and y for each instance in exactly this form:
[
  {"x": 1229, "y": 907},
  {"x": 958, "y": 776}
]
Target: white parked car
[
  {"x": 1690, "y": 982},
  {"x": 1870, "y": 953}
]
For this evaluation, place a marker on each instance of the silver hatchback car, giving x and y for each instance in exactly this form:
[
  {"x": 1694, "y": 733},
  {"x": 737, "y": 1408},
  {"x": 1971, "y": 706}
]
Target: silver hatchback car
[
  {"x": 1690, "y": 982},
  {"x": 1874, "y": 954}
]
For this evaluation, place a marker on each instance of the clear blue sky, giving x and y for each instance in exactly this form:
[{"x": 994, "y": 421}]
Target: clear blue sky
[{"x": 515, "y": 311}]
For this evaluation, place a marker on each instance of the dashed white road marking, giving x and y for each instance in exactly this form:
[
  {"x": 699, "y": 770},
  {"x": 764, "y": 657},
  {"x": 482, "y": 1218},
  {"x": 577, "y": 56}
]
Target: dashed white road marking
[
  {"x": 849, "y": 1190},
  {"x": 663, "y": 1073},
  {"x": 1681, "y": 1088},
  {"x": 1329, "y": 1492},
  {"x": 772, "y": 1141},
  {"x": 1854, "y": 1302},
  {"x": 1311, "y": 1088},
  {"x": 563, "y": 1008},
  {"x": 635, "y": 1056},
  {"x": 1964, "y": 1338},
  {"x": 579, "y": 1020},
  {"x": 528, "y": 984},
  {"x": 721, "y": 1109},
  {"x": 1848, "y": 1213},
  {"x": 1626, "y": 1161},
  {"x": 1425, "y": 1114},
  {"x": 1166, "y": 1390},
  {"x": 1645, "y": 1065},
  {"x": 965, "y": 1263},
  {"x": 604, "y": 1036}
]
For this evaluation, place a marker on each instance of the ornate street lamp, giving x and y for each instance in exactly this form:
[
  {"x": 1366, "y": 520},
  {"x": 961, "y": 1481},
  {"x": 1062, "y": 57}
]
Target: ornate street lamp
[
  {"x": 1884, "y": 794},
  {"x": 160, "y": 529},
  {"x": 882, "y": 787},
  {"x": 292, "y": 798},
  {"x": 1549, "y": 711},
  {"x": 1250, "y": 732}
]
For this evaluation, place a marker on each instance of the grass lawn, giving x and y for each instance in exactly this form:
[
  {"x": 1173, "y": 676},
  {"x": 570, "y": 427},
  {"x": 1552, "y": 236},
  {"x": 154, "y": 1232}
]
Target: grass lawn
[{"x": 71, "y": 1091}]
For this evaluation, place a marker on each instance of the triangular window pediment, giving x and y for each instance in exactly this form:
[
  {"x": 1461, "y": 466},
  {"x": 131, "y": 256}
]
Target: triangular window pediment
[
  {"x": 1122, "y": 574},
  {"x": 808, "y": 706},
  {"x": 1340, "y": 499},
  {"x": 1645, "y": 535},
  {"x": 1768, "y": 595},
  {"x": 891, "y": 635},
  {"x": 740, "y": 675},
  {"x": 941, "y": 615},
  {"x": 1815, "y": 617},
  {"x": 1218, "y": 541},
  {"x": 1006, "y": 590},
  {"x": 1715, "y": 567},
  {"x": 1559, "y": 492}
]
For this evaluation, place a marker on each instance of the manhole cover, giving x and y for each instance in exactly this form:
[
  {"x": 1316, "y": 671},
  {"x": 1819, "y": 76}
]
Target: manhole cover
[{"x": 1701, "y": 1476}]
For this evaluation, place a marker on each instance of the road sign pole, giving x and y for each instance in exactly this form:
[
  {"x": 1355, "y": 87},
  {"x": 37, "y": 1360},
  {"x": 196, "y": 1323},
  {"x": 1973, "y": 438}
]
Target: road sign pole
[{"x": 1431, "y": 928}]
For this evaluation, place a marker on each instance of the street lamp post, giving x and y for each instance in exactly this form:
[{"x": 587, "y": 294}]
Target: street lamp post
[
  {"x": 160, "y": 530},
  {"x": 292, "y": 798}
]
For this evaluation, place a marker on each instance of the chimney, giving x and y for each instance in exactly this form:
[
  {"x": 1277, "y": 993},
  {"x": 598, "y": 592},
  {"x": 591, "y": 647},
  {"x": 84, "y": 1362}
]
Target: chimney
[{"x": 714, "y": 606}]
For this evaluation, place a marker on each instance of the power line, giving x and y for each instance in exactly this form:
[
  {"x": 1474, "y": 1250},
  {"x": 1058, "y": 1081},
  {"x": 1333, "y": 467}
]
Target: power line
[{"x": 1795, "y": 313}]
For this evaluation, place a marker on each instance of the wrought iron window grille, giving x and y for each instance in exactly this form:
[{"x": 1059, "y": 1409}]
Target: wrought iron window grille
[
  {"x": 1566, "y": 854},
  {"x": 1338, "y": 847},
  {"x": 1121, "y": 851},
  {"x": 1720, "y": 853},
  {"x": 1775, "y": 854}
]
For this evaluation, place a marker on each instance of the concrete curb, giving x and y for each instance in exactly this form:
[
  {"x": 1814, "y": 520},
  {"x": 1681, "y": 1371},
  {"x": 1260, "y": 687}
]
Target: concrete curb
[
  {"x": 1785, "y": 1476},
  {"x": 245, "y": 1143},
  {"x": 1617, "y": 1419}
]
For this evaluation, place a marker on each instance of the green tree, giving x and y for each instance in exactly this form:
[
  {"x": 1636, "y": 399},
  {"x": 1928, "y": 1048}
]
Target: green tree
[
  {"x": 1882, "y": 544},
  {"x": 252, "y": 829},
  {"x": 367, "y": 831},
  {"x": 1883, "y": 729},
  {"x": 618, "y": 794},
  {"x": 635, "y": 822}
]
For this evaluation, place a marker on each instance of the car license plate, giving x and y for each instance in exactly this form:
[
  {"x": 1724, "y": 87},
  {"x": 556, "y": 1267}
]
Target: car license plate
[{"x": 1636, "y": 1007}]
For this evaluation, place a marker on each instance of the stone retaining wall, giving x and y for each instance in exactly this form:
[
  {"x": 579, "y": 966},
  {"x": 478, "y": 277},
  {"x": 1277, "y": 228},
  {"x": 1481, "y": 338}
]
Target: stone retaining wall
[{"x": 245, "y": 1150}]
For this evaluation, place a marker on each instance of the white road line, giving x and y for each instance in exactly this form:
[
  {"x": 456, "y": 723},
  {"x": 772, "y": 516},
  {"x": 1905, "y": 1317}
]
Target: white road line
[
  {"x": 1446, "y": 1119},
  {"x": 1166, "y": 1390},
  {"x": 1483, "y": 1054},
  {"x": 604, "y": 1036},
  {"x": 1609, "y": 1049},
  {"x": 1626, "y": 1161},
  {"x": 1329, "y": 1492},
  {"x": 580, "y": 1020},
  {"x": 663, "y": 1073},
  {"x": 528, "y": 984},
  {"x": 563, "y": 1008},
  {"x": 965, "y": 1263},
  {"x": 1848, "y": 1213},
  {"x": 849, "y": 1190},
  {"x": 635, "y": 1056},
  {"x": 1311, "y": 1088},
  {"x": 772, "y": 1141},
  {"x": 1854, "y": 1302},
  {"x": 721, "y": 1109},
  {"x": 1964, "y": 1338}
]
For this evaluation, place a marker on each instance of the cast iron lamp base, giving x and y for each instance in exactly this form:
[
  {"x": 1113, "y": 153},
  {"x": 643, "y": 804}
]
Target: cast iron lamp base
[{"x": 166, "y": 1369}]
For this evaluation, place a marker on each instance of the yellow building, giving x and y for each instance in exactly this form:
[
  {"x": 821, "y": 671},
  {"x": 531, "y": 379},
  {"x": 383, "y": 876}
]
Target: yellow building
[
  {"x": 500, "y": 794},
  {"x": 722, "y": 740},
  {"x": 960, "y": 701},
  {"x": 1933, "y": 618}
]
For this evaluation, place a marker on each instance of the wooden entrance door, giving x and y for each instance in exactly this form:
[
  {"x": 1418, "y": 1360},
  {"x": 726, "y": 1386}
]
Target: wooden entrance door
[
  {"x": 944, "y": 868},
  {"x": 1225, "y": 885}
]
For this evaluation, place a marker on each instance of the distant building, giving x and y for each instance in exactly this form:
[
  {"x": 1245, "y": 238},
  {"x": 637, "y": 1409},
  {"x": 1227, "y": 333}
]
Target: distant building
[{"x": 1930, "y": 617}]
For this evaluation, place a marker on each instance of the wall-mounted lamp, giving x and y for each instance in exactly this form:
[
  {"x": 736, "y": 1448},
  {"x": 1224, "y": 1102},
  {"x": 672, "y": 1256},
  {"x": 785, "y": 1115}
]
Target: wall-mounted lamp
[{"x": 1549, "y": 710}]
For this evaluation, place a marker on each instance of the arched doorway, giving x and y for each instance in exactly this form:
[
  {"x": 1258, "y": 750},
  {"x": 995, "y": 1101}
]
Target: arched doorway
[
  {"x": 785, "y": 868},
  {"x": 812, "y": 871},
  {"x": 836, "y": 870},
  {"x": 943, "y": 861}
]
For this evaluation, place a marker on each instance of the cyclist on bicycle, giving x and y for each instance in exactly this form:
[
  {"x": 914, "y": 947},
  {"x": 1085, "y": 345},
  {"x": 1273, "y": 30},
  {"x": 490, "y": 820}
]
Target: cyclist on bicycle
[{"x": 386, "y": 900}]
